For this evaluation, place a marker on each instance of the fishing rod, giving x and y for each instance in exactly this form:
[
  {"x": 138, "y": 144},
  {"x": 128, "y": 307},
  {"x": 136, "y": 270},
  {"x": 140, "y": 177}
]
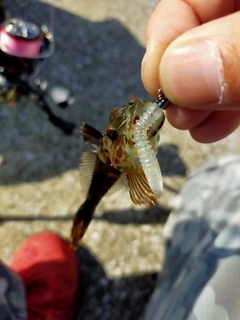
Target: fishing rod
[{"x": 24, "y": 47}]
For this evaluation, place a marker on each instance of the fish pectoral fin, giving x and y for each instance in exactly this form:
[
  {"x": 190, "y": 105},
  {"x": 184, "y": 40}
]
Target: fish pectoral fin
[
  {"x": 120, "y": 184},
  {"x": 139, "y": 189},
  {"x": 86, "y": 168},
  {"x": 91, "y": 135}
]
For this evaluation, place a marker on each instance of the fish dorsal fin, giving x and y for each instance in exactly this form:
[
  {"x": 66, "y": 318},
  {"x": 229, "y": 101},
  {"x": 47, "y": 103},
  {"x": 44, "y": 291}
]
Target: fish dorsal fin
[
  {"x": 86, "y": 168},
  {"x": 120, "y": 184},
  {"x": 91, "y": 135},
  {"x": 139, "y": 189}
]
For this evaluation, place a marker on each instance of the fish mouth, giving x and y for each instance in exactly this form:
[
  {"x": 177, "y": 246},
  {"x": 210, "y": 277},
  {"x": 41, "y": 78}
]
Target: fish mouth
[{"x": 146, "y": 153}]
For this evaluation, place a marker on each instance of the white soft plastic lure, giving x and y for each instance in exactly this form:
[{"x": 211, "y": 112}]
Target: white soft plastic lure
[{"x": 147, "y": 150}]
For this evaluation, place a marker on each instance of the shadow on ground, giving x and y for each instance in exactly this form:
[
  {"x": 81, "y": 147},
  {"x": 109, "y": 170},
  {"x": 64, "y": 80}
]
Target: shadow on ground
[
  {"x": 99, "y": 62},
  {"x": 103, "y": 298},
  {"x": 150, "y": 215}
]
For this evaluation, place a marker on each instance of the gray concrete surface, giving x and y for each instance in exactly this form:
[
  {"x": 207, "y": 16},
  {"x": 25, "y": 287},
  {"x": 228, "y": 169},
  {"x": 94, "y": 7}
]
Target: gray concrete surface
[{"x": 99, "y": 47}]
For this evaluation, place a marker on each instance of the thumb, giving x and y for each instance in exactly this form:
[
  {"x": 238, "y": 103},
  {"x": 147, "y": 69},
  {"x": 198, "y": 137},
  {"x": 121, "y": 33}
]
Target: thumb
[{"x": 201, "y": 67}]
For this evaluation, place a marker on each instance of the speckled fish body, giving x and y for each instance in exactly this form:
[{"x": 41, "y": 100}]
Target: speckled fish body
[
  {"x": 116, "y": 159},
  {"x": 118, "y": 137},
  {"x": 119, "y": 142}
]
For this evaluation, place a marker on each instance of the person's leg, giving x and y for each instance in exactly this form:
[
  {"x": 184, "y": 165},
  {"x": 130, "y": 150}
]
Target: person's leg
[
  {"x": 200, "y": 279},
  {"x": 12, "y": 295}
]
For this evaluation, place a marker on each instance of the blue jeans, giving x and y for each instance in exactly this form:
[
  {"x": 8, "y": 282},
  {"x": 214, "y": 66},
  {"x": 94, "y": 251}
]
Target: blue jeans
[
  {"x": 200, "y": 279},
  {"x": 12, "y": 295}
]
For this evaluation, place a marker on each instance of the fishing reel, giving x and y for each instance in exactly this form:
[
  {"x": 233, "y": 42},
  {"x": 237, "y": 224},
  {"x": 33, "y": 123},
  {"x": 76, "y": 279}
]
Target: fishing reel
[{"x": 24, "y": 47}]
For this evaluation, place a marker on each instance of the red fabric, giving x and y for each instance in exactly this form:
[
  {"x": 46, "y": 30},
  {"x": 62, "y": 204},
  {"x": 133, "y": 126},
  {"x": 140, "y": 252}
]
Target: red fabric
[{"x": 50, "y": 272}]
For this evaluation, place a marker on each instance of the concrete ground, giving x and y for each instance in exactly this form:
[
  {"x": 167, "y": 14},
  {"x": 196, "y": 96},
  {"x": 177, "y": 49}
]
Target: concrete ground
[{"x": 99, "y": 47}]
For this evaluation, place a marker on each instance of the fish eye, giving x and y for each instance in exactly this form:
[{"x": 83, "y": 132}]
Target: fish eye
[{"x": 112, "y": 134}]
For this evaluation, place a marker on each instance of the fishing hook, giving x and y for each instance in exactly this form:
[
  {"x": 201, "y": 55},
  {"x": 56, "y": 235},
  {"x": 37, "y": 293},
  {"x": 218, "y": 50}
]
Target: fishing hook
[{"x": 162, "y": 101}]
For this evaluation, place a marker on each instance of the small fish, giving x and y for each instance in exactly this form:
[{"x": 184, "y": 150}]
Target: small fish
[{"x": 125, "y": 155}]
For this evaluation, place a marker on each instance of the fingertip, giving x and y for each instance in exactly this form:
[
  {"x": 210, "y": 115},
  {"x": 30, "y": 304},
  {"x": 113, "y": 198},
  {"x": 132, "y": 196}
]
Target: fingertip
[
  {"x": 160, "y": 32},
  {"x": 191, "y": 72},
  {"x": 217, "y": 126},
  {"x": 201, "y": 66}
]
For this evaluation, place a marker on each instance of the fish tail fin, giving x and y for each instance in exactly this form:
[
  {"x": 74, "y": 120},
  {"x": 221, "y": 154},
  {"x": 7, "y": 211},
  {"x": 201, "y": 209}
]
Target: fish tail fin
[{"x": 81, "y": 221}]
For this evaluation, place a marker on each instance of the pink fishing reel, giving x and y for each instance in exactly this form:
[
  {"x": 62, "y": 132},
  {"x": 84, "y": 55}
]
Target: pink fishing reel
[
  {"x": 23, "y": 48},
  {"x": 24, "y": 39},
  {"x": 20, "y": 38}
]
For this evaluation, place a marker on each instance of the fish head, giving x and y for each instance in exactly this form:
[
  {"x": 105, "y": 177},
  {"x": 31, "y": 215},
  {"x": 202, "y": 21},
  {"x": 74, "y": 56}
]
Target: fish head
[{"x": 118, "y": 138}]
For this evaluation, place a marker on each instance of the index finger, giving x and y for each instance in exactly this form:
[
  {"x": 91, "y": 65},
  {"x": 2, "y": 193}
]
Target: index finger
[{"x": 170, "y": 19}]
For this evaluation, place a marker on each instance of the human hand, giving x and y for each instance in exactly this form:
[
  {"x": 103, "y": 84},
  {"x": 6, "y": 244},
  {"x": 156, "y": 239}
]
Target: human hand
[{"x": 193, "y": 54}]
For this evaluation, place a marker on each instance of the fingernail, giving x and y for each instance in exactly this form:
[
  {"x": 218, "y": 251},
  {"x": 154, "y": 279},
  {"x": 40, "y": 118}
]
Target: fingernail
[
  {"x": 145, "y": 58},
  {"x": 192, "y": 74},
  {"x": 143, "y": 64},
  {"x": 150, "y": 68}
]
